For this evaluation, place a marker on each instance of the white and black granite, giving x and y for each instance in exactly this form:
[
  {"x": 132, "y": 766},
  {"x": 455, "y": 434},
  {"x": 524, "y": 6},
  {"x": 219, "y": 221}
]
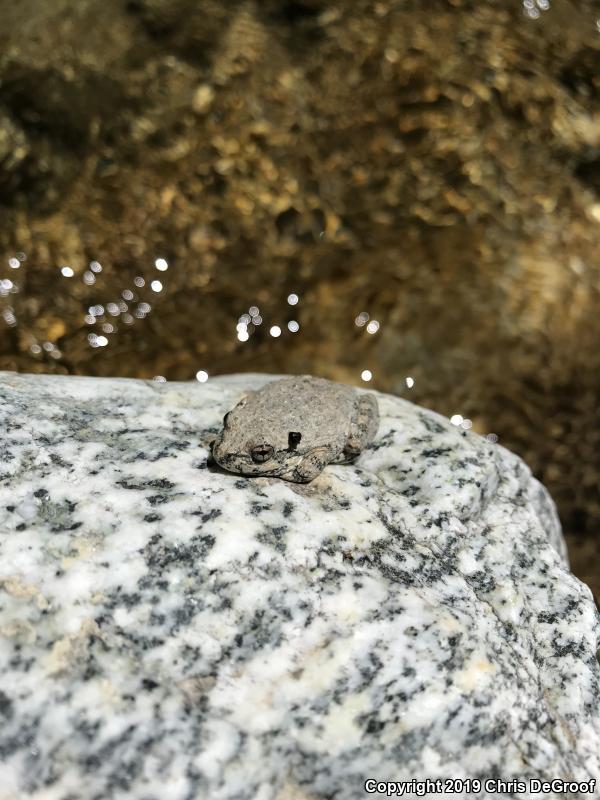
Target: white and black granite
[{"x": 169, "y": 631}]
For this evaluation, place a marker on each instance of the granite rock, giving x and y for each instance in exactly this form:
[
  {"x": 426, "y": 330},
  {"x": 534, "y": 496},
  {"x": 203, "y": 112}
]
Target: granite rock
[{"x": 168, "y": 630}]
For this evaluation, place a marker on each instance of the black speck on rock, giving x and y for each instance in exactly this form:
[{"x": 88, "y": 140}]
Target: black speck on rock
[{"x": 6, "y": 706}]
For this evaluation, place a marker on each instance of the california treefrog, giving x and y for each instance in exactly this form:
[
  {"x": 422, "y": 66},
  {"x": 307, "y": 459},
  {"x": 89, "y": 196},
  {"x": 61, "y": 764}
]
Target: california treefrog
[{"x": 292, "y": 428}]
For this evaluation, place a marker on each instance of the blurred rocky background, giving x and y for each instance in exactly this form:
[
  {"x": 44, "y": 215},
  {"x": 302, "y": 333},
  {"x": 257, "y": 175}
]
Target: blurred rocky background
[{"x": 423, "y": 178}]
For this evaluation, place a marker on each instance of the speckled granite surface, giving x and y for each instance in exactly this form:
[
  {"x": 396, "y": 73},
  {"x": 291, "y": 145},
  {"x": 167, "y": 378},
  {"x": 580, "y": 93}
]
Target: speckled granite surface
[{"x": 172, "y": 631}]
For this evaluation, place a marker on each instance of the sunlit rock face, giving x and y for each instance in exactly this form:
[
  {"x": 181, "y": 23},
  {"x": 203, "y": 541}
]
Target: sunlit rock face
[{"x": 170, "y": 630}]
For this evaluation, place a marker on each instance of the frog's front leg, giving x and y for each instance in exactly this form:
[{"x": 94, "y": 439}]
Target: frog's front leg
[
  {"x": 363, "y": 426},
  {"x": 311, "y": 465}
]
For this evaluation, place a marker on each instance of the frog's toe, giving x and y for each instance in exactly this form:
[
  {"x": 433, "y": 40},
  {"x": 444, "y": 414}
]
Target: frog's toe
[
  {"x": 311, "y": 465},
  {"x": 352, "y": 451},
  {"x": 363, "y": 427}
]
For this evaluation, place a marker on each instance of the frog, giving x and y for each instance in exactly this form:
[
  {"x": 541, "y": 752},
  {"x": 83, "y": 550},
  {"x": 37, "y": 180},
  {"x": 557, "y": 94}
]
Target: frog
[{"x": 292, "y": 428}]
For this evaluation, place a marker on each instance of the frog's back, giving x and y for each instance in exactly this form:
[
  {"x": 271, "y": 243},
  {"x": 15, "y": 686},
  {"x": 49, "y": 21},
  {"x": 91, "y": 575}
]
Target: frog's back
[{"x": 317, "y": 407}]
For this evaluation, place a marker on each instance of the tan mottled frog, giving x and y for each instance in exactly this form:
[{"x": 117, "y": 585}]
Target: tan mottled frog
[{"x": 292, "y": 428}]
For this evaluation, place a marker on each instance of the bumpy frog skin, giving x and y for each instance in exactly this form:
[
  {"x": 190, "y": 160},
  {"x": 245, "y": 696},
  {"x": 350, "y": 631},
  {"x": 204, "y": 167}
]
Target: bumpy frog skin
[{"x": 292, "y": 428}]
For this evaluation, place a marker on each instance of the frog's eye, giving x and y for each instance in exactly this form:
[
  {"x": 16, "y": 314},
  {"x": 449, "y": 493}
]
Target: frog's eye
[
  {"x": 261, "y": 453},
  {"x": 294, "y": 439}
]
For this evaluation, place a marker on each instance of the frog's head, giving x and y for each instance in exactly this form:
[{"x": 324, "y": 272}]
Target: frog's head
[
  {"x": 252, "y": 443},
  {"x": 257, "y": 452}
]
